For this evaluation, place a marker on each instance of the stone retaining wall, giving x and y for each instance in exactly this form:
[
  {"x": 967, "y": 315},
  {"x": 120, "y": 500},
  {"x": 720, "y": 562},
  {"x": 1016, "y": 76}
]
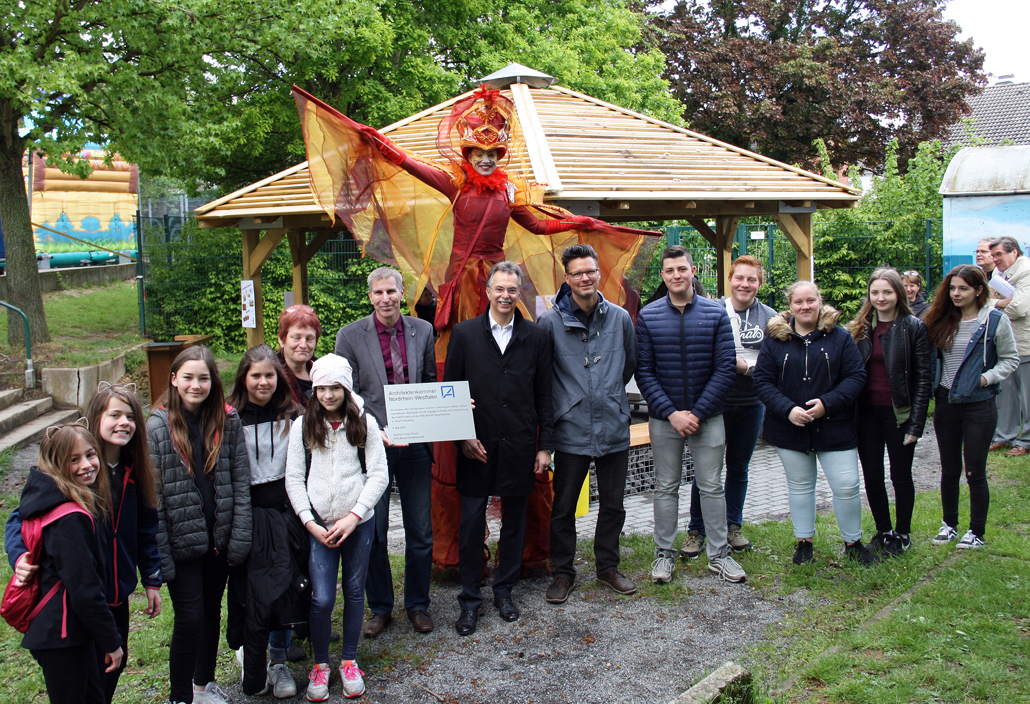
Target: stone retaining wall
[
  {"x": 73, "y": 388},
  {"x": 78, "y": 277}
]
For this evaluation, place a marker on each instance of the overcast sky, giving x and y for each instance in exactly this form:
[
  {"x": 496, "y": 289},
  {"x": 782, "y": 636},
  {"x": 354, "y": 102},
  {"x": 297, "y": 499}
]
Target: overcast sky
[{"x": 999, "y": 27}]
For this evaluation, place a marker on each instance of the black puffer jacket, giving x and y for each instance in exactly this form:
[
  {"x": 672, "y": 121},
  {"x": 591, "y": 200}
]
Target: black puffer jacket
[
  {"x": 182, "y": 529},
  {"x": 909, "y": 360},
  {"x": 792, "y": 370}
]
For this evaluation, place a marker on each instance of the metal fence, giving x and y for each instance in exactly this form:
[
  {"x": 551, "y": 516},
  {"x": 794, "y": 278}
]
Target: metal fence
[
  {"x": 846, "y": 253},
  {"x": 191, "y": 276}
]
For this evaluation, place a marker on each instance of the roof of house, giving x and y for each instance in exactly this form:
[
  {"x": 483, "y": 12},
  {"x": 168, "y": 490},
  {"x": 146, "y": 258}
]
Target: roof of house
[
  {"x": 1001, "y": 112},
  {"x": 584, "y": 150}
]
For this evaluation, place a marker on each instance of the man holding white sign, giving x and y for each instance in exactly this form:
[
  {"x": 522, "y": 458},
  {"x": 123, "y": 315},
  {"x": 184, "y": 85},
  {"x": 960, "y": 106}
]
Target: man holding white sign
[
  {"x": 1012, "y": 268},
  {"x": 383, "y": 349},
  {"x": 506, "y": 360}
]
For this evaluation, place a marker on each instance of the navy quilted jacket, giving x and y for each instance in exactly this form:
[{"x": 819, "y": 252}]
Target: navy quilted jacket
[{"x": 686, "y": 361}]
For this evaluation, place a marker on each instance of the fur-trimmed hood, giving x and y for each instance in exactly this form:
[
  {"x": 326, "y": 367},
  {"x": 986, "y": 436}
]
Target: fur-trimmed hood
[{"x": 779, "y": 326}]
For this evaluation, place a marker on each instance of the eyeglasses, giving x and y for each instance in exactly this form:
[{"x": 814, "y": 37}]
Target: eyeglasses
[
  {"x": 589, "y": 273},
  {"x": 500, "y": 291},
  {"x": 910, "y": 273}
]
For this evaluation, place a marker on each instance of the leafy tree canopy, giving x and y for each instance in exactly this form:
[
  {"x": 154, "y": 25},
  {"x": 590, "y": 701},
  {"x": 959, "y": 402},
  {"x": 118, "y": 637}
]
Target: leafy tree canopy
[
  {"x": 381, "y": 62},
  {"x": 774, "y": 75}
]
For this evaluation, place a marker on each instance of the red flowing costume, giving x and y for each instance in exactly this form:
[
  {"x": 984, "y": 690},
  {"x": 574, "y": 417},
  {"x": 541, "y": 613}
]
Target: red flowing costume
[{"x": 428, "y": 219}]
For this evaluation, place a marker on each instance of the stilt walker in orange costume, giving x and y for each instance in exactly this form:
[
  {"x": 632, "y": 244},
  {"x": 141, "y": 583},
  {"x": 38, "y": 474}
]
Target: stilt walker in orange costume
[{"x": 444, "y": 225}]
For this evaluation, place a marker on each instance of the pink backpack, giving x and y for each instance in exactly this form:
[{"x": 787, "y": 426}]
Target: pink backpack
[{"x": 22, "y": 603}]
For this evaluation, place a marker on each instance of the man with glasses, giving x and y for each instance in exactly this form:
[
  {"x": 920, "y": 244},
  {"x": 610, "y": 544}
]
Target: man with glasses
[
  {"x": 507, "y": 362},
  {"x": 1013, "y": 427},
  {"x": 595, "y": 354}
]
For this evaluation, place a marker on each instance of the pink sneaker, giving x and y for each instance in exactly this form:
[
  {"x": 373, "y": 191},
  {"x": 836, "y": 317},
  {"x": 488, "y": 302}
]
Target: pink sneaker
[
  {"x": 318, "y": 685},
  {"x": 353, "y": 679}
]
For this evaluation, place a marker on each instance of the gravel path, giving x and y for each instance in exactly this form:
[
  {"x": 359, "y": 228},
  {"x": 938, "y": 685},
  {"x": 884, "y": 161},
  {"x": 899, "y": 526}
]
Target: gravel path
[{"x": 596, "y": 648}]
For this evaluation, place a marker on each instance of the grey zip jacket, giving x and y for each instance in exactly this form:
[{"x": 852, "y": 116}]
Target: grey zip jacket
[{"x": 591, "y": 370}]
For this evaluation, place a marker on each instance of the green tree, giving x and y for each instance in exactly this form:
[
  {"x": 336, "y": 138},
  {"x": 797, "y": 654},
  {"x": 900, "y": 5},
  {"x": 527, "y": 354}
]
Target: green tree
[{"x": 381, "y": 63}]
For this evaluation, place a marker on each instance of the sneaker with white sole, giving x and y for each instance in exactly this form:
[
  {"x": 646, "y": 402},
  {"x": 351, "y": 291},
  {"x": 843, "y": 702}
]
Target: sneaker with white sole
[
  {"x": 736, "y": 539},
  {"x": 906, "y": 541},
  {"x": 281, "y": 681},
  {"x": 727, "y": 569},
  {"x": 691, "y": 548},
  {"x": 318, "y": 684},
  {"x": 663, "y": 566},
  {"x": 945, "y": 535},
  {"x": 970, "y": 541},
  {"x": 212, "y": 694},
  {"x": 353, "y": 679}
]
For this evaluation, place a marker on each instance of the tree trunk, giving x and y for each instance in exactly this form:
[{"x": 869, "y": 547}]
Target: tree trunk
[{"x": 23, "y": 288}]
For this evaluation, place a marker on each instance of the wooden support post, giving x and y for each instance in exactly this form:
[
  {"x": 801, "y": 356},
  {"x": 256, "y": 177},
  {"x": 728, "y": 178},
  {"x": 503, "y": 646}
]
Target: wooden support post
[
  {"x": 256, "y": 251},
  {"x": 797, "y": 228},
  {"x": 298, "y": 254},
  {"x": 726, "y": 232}
]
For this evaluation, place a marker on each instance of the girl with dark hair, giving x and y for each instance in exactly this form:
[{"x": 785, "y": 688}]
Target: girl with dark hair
[
  {"x": 204, "y": 521},
  {"x": 266, "y": 406},
  {"x": 130, "y": 537},
  {"x": 892, "y": 406},
  {"x": 975, "y": 349},
  {"x": 76, "y": 623},
  {"x": 334, "y": 493}
]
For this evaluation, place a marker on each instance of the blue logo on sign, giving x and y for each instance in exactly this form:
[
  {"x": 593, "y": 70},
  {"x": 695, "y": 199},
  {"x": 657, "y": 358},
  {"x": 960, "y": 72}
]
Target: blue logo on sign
[{"x": 447, "y": 392}]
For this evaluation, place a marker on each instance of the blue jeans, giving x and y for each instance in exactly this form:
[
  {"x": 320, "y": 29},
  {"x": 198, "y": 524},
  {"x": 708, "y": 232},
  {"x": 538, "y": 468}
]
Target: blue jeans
[
  {"x": 279, "y": 645},
  {"x": 841, "y": 471},
  {"x": 413, "y": 468},
  {"x": 324, "y": 566},
  {"x": 743, "y": 424}
]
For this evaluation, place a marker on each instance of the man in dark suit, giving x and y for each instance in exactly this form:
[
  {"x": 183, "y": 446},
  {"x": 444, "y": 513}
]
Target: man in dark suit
[
  {"x": 507, "y": 362},
  {"x": 390, "y": 348}
]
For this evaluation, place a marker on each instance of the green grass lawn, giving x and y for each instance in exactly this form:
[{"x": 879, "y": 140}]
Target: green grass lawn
[
  {"x": 961, "y": 635},
  {"x": 87, "y": 326}
]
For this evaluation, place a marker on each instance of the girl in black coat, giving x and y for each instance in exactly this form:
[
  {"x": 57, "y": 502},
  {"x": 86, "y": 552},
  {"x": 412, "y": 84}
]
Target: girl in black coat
[
  {"x": 892, "y": 408},
  {"x": 808, "y": 375},
  {"x": 76, "y": 622}
]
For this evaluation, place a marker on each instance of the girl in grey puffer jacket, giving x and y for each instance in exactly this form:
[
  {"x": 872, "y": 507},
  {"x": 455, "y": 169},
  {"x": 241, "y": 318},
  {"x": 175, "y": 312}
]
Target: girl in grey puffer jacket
[{"x": 204, "y": 521}]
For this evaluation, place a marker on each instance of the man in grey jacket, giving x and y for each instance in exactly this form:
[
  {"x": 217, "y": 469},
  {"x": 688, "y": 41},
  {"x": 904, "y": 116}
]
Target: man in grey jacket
[
  {"x": 390, "y": 348},
  {"x": 1013, "y": 427},
  {"x": 595, "y": 353}
]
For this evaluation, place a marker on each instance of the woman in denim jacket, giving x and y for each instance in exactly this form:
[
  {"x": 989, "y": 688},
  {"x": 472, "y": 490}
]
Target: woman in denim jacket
[{"x": 975, "y": 350}]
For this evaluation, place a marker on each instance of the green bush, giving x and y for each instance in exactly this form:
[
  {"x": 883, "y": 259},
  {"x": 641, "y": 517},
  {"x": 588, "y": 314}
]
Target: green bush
[{"x": 193, "y": 287}]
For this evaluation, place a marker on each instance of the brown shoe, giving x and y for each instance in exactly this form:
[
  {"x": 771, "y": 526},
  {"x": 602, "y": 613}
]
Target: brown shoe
[
  {"x": 617, "y": 582},
  {"x": 376, "y": 624},
  {"x": 1017, "y": 452},
  {"x": 421, "y": 621},
  {"x": 558, "y": 592},
  {"x": 996, "y": 446}
]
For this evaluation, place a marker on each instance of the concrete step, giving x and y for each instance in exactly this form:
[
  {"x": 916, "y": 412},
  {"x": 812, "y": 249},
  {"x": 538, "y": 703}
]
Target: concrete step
[
  {"x": 34, "y": 430},
  {"x": 21, "y": 413},
  {"x": 11, "y": 397}
]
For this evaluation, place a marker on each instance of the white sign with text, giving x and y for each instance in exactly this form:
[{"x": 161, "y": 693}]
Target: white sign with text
[{"x": 434, "y": 412}]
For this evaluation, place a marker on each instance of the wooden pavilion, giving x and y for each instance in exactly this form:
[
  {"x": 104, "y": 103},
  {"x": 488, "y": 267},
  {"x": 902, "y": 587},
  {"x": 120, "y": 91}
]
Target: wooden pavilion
[{"x": 592, "y": 158}]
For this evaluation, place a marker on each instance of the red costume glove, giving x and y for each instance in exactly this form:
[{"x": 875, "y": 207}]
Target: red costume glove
[
  {"x": 575, "y": 223},
  {"x": 387, "y": 148}
]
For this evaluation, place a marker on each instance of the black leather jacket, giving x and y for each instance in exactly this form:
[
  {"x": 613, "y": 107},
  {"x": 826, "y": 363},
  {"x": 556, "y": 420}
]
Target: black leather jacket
[{"x": 909, "y": 360}]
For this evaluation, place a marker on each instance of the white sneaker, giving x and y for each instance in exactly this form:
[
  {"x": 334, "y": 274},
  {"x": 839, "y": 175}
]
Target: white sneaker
[
  {"x": 212, "y": 694},
  {"x": 727, "y": 568},
  {"x": 353, "y": 679},
  {"x": 945, "y": 535},
  {"x": 663, "y": 566},
  {"x": 970, "y": 541},
  {"x": 318, "y": 685},
  {"x": 281, "y": 681}
]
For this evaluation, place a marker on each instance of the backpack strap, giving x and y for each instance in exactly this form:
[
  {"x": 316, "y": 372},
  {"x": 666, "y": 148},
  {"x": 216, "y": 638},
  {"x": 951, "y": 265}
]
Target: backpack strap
[{"x": 65, "y": 509}]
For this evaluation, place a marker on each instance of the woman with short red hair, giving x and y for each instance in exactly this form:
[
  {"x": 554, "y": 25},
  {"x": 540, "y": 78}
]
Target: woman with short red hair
[{"x": 299, "y": 331}]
